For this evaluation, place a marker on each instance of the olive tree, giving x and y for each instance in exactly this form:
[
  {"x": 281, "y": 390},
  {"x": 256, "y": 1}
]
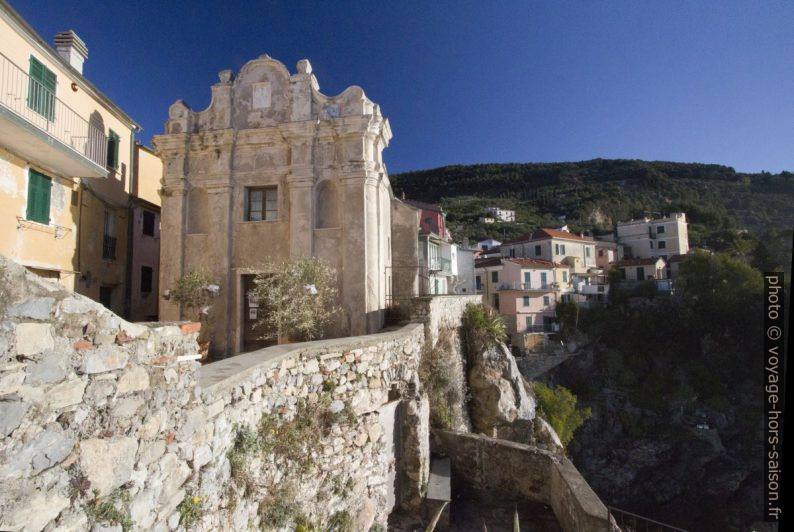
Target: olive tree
[{"x": 298, "y": 299}]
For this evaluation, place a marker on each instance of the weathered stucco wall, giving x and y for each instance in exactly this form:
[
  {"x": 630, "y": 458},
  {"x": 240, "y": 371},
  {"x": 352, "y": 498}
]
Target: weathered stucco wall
[
  {"x": 319, "y": 155},
  {"x": 89, "y": 401},
  {"x": 501, "y": 466}
]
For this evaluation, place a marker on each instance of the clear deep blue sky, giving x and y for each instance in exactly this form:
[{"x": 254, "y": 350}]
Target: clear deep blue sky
[{"x": 470, "y": 82}]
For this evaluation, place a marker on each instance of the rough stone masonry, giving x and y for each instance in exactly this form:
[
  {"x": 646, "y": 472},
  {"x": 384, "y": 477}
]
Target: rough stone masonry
[{"x": 97, "y": 414}]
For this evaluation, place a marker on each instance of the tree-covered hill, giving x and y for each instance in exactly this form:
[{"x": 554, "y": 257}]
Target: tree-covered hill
[{"x": 749, "y": 215}]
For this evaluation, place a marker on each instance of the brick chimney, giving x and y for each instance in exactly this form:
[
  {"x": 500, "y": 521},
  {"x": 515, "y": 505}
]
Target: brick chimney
[{"x": 72, "y": 48}]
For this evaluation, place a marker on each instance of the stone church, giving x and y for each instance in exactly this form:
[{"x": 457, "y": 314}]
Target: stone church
[{"x": 274, "y": 169}]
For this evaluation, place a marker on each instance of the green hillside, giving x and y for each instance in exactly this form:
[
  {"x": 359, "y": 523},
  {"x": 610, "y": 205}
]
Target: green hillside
[{"x": 747, "y": 215}]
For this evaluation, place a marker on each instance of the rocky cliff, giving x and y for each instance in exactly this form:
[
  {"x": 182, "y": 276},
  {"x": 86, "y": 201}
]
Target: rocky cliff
[{"x": 697, "y": 468}]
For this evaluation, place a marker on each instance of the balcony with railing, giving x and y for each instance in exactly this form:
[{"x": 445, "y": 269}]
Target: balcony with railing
[
  {"x": 530, "y": 287},
  {"x": 39, "y": 127},
  {"x": 584, "y": 288},
  {"x": 438, "y": 264}
]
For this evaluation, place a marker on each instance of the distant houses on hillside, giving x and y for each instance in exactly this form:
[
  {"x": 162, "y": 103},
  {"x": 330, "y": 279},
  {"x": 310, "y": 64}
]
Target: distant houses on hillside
[{"x": 532, "y": 274}]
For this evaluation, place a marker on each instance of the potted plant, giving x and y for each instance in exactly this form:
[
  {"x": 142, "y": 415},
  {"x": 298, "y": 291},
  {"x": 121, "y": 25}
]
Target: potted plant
[{"x": 195, "y": 292}]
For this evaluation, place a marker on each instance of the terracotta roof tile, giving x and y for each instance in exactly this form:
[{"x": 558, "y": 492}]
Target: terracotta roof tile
[{"x": 544, "y": 233}]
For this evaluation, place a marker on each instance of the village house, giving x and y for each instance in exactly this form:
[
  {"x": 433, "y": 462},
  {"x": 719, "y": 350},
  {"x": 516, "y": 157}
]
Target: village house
[
  {"x": 606, "y": 253},
  {"x": 633, "y": 270},
  {"x": 502, "y": 215},
  {"x": 660, "y": 237},
  {"x": 554, "y": 245},
  {"x": 438, "y": 258},
  {"x": 274, "y": 169},
  {"x": 488, "y": 244},
  {"x": 70, "y": 191},
  {"x": 434, "y": 265},
  {"x": 525, "y": 292}
]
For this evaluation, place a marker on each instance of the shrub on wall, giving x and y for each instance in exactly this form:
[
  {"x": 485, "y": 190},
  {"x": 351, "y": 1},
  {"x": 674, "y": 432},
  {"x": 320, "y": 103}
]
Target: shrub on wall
[
  {"x": 299, "y": 299},
  {"x": 195, "y": 291},
  {"x": 558, "y": 406},
  {"x": 445, "y": 387},
  {"x": 483, "y": 326}
]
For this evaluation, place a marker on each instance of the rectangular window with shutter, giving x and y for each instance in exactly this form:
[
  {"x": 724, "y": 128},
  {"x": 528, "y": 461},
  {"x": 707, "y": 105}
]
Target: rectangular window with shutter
[
  {"x": 39, "y": 187},
  {"x": 113, "y": 150},
  {"x": 41, "y": 89}
]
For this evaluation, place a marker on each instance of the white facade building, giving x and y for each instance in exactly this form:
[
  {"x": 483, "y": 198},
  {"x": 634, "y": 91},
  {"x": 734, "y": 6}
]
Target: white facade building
[{"x": 647, "y": 238}]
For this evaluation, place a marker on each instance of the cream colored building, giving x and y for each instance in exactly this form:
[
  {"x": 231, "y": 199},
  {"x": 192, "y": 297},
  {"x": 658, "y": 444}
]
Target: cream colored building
[
  {"x": 274, "y": 169},
  {"x": 554, "y": 245},
  {"x": 647, "y": 238},
  {"x": 65, "y": 165}
]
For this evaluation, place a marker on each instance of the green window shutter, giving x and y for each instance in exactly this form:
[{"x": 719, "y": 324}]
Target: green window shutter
[
  {"x": 41, "y": 89},
  {"x": 39, "y": 187},
  {"x": 113, "y": 150}
]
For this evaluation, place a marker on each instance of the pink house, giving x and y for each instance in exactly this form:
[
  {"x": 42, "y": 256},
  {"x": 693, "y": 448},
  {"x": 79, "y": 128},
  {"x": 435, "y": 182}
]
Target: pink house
[{"x": 526, "y": 292}]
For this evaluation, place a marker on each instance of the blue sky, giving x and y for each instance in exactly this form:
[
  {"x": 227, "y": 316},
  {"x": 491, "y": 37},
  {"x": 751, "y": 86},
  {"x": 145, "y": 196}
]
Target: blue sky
[{"x": 474, "y": 82}]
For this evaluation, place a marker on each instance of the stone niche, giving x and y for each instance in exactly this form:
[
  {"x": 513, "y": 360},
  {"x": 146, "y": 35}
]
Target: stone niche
[{"x": 317, "y": 161}]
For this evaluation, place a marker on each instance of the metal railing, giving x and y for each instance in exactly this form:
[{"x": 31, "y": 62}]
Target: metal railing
[
  {"x": 547, "y": 328},
  {"x": 629, "y": 522},
  {"x": 38, "y": 105},
  {"x": 440, "y": 265},
  {"x": 528, "y": 286}
]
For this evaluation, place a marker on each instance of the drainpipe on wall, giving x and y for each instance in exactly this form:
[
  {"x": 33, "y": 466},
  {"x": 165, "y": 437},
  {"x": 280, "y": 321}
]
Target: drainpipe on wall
[{"x": 130, "y": 225}]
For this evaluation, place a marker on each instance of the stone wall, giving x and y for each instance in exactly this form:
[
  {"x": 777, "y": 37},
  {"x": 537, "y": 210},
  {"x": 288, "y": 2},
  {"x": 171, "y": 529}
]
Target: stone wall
[
  {"x": 508, "y": 468},
  {"x": 87, "y": 402},
  {"x": 102, "y": 420}
]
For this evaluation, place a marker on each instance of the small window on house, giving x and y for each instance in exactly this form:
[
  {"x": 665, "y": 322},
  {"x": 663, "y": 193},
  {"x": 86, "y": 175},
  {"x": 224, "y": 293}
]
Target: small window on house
[
  {"x": 600, "y": 252},
  {"x": 586, "y": 251},
  {"x": 512, "y": 252},
  {"x": 478, "y": 282},
  {"x": 108, "y": 239},
  {"x": 556, "y": 249},
  {"x": 113, "y": 150},
  {"x": 564, "y": 277},
  {"x": 39, "y": 187},
  {"x": 640, "y": 273},
  {"x": 546, "y": 301},
  {"x": 662, "y": 244},
  {"x": 660, "y": 229},
  {"x": 529, "y": 322},
  {"x": 526, "y": 301},
  {"x": 261, "y": 204},
  {"x": 537, "y": 251},
  {"x": 41, "y": 89},
  {"x": 562, "y": 249},
  {"x": 527, "y": 279},
  {"x": 494, "y": 277},
  {"x": 148, "y": 223},
  {"x": 146, "y": 279},
  {"x": 496, "y": 301},
  {"x": 651, "y": 243}
]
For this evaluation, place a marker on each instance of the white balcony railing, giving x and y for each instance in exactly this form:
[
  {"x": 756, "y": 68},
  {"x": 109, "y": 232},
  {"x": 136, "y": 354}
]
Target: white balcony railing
[
  {"x": 38, "y": 106},
  {"x": 440, "y": 265},
  {"x": 547, "y": 287}
]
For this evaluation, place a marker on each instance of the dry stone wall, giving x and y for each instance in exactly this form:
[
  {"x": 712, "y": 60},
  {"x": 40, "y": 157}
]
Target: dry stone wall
[{"x": 105, "y": 423}]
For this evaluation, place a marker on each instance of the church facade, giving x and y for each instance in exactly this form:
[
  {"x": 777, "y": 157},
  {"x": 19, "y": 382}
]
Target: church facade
[{"x": 274, "y": 169}]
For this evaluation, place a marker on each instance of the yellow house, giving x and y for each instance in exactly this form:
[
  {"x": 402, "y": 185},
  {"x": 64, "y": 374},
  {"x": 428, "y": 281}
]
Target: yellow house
[{"x": 66, "y": 166}]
